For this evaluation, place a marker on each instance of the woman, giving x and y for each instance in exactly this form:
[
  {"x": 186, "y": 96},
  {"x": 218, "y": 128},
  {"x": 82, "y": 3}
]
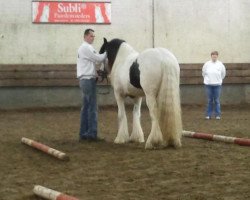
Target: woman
[{"x": 213, "y": 72}]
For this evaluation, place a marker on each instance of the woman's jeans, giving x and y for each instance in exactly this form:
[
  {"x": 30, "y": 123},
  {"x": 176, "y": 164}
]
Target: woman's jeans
[
  {"x": 88, "y": 124},
  {"x": 213, "y": 99}
]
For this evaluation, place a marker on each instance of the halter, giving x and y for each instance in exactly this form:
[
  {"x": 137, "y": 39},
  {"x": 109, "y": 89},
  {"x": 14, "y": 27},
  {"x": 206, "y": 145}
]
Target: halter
[{"x": 104, "y": 75}]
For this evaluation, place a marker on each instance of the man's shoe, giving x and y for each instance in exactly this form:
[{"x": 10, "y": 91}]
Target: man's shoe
[
  {"x": 98, "y": 139},
  {"x": 217, "y": 117},
  {"x": 82, "y": 140},
  {"x": 207, "y": 117}
]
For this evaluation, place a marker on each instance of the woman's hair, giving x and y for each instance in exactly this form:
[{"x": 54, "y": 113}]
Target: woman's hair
[{"x": 214, "y": 53}]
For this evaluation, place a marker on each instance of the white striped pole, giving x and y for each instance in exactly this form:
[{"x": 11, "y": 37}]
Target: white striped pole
[
  {"x": 44, "y": 148},
  {"x": 51, "y": 194},
  {"x": 221, "y": 138}
]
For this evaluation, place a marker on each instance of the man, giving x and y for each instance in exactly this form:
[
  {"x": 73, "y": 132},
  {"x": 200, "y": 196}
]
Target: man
[
  {"x": 86, "y": 73},
  {"x": 213, "y": 72}
]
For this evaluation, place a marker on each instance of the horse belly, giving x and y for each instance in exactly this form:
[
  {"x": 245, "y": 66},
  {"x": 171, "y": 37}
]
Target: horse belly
[{"x": 135, "y": 92}]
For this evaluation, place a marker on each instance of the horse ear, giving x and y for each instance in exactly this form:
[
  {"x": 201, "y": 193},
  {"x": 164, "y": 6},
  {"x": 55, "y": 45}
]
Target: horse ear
[
  {"x": 104, "y": 46},
  {"x": 105, "y": 40}
]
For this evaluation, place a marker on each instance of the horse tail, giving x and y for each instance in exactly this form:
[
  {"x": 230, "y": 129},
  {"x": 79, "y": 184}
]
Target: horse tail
[{"x": 168, "y": 101}]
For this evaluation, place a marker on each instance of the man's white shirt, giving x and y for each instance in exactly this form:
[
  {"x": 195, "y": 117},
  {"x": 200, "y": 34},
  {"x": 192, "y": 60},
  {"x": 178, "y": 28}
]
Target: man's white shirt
[{"x": 86, "y": 60}]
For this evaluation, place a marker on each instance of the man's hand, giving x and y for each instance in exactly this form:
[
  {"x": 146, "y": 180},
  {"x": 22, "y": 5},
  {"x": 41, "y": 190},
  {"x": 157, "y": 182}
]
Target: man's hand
[{"x": 102, "y": 74}]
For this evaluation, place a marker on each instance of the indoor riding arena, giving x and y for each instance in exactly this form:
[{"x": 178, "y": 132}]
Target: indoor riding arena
[{"x": 40, "y": 101}]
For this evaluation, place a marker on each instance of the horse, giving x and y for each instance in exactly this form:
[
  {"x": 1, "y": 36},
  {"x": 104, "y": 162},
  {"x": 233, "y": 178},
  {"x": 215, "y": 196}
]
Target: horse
[
  {"x": 45, "y": 13},
  {"x": 98, "y": 14},
  {"x": 35, "y": 6},
  {"x": 155, "y": 74}
]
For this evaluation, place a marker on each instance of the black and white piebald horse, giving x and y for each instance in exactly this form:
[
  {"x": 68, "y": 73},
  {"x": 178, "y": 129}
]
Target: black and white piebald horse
[{"x": 154, "y": 73}]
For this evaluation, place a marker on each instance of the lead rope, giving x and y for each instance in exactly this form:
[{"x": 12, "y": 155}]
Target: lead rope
[{"x": 103, "y": 74}]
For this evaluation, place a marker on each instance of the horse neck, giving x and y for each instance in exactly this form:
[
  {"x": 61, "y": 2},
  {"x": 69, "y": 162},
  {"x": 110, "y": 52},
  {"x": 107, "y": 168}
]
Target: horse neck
[{"x": 124, "y": 52}]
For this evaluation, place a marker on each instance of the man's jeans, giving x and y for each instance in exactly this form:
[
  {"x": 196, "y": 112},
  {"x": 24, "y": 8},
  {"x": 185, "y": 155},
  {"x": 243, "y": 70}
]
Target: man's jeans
[
  {"x": 213, "y": 99},
  {"x": 88, "y": 126}
]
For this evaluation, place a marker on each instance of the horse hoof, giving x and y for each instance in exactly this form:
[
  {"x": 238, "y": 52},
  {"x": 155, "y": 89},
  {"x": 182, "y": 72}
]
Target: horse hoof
[
  {"x": 139, "y": 140},
  {"x": 175, "y": 143},
  {"x": 156, "y": 145},
  {"x": 149, "y": 146},
  {"x": 120, "y": 141}
]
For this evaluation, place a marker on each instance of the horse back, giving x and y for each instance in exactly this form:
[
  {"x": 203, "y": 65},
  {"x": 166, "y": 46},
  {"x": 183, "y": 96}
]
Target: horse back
[{"x": 153, "y": 63}]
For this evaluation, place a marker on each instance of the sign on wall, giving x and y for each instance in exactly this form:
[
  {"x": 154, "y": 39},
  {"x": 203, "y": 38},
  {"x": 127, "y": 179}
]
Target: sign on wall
[{"x": 71, "y": 12}]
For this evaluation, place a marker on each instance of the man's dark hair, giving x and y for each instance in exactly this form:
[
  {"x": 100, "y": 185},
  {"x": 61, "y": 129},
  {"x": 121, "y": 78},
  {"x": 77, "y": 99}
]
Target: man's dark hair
[{"x": 87, "y": 31}]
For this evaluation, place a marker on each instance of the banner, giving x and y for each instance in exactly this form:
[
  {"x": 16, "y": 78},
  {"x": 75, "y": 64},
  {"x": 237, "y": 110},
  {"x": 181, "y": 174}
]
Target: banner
[{"x": 71, "y": 12}]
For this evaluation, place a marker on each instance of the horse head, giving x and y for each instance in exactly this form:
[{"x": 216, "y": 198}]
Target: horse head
[
  {"x": 104, "y": 46},
  {"x": 111, "y": 48}
]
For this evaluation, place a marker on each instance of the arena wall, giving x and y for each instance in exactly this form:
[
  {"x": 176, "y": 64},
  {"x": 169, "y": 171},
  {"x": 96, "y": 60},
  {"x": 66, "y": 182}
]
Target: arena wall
[
  {"x": 48, "y": 97},
  {"x": 192, "y": 29},
  {"x": 22, "y": 42},
  {"x": 37, "y": 61}
]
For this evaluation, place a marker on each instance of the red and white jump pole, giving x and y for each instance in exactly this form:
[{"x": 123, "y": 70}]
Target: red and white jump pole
[
  {"x": 51, "y": 194},
  {"x": 221, "y": 138},
  {"x": 44, "y": 148}
]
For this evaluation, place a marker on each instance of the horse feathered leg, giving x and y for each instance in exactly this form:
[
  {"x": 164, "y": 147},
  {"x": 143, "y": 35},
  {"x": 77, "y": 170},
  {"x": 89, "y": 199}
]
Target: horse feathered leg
[
  {"x": 122, "y": 136},
  {"x": 155, "y": 138},
  {"x": 137, "y": 133}
]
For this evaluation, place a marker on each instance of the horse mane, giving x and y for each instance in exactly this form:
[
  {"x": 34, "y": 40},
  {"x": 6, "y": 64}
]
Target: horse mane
[{"x": 112, "y": 48}]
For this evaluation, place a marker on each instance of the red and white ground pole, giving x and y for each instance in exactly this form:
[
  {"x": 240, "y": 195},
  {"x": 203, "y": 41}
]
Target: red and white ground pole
[
  {"x": 58, "y": 154},
  {"x": 51, "y": 194},
  {"x": 221, "y": 138}
]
